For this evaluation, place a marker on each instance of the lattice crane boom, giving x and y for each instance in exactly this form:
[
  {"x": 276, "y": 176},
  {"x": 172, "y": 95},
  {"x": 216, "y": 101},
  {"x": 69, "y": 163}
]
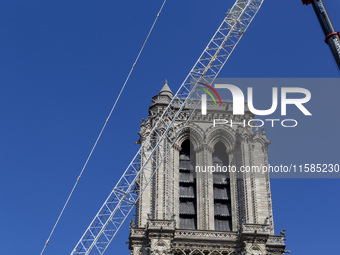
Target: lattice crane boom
[{"x": 165, "y": 131}]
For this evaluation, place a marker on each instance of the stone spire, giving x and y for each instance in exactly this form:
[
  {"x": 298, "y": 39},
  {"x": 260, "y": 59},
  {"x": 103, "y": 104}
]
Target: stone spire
[
  {"x": 166, "y": 91},
  {"x": 163, "y": 97}
]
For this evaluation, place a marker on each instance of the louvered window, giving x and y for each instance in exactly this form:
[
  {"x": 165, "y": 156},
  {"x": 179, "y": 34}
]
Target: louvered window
[
  {"x": 222, "y": 202},
  {"x": 187, "y": 187}
]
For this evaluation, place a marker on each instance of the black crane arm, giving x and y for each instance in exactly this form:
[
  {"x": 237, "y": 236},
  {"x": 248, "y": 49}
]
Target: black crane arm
[{"x": 332, "y": 36}]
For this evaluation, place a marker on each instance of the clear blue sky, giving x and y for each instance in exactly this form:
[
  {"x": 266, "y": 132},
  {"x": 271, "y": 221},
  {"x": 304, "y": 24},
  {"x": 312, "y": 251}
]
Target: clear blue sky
[{"x": 63, "y": 62}]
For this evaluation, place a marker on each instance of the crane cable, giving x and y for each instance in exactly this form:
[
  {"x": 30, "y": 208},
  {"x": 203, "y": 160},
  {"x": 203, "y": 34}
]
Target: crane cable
[{"x": 102, "y": 130}]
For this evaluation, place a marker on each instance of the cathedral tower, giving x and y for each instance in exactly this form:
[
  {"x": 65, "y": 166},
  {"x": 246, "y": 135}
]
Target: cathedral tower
[{"x": 190, "y": 207}]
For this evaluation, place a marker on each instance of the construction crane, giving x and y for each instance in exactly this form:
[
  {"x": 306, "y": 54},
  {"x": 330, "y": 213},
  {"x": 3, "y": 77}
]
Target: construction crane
[
  {"x": 332, "y": 37},
  {"x": 165, "y": 131}
]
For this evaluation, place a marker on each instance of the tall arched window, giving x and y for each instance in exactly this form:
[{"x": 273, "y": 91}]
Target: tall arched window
[
  {"x": 187, "y": 187},
  {"x": 222, "y": 202}
]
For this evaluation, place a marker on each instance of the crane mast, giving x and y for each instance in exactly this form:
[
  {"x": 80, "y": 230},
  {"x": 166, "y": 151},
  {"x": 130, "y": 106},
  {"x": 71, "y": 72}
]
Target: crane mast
[
  {"x": 332, "y": 37},
  {"x": 165, "y": 131}
]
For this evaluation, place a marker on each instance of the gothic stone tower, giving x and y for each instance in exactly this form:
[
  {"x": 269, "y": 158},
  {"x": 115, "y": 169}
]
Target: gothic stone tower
[{"x": 189, "y": 212}]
